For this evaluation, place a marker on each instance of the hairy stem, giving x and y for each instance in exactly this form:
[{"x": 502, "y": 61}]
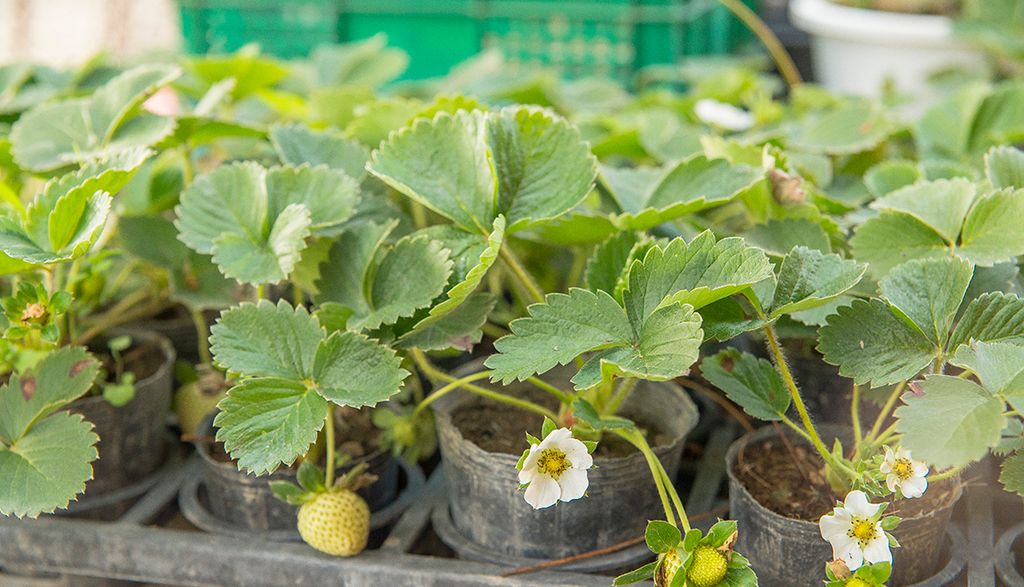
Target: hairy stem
[
  {"x": 456, "y": 384},
  {"x": 539, "y": 383},
  {"x": 855, "y": 413},
  {"x": 768, "y": 38},
  {"x": 329, "y": 440},
  {"x": 521, "y": 274}
]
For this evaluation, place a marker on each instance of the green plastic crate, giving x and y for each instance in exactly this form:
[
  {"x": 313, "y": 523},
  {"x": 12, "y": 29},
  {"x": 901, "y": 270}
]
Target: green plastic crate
[{"x": 579, "y": 38}]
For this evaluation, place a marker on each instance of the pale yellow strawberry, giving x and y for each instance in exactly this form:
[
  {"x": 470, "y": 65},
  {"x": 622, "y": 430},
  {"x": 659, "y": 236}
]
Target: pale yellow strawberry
[
  {"x": 669, "y": 566},
  {"x": 708, "y": 568},
  {"x": 335, "y": 522}
]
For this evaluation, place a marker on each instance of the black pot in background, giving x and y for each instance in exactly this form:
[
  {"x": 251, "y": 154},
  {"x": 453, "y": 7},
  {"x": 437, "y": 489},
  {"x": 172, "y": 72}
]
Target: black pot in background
[
  {"x": 246, "y": 501},
  {"x": 179, "y": 328},
  {"x": 488, "y": 509},
  {"x": 791, "y": 552},
  {"x": 133, "y": 437}
]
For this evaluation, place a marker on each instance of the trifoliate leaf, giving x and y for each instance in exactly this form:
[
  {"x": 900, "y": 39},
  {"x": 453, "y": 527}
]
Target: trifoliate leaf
[
  {"x": 662, "y": 536},
  {"x": 1004, "y": 167},
  {"x": 58, "y": 134},
  {"x": 698, "y": 273},
  {"x": 64, "y": 220},
  {"x": 998, "y": 365},
  {"x": 254, "y": 221},
  {"x": 1011, "y": 473},
  {"x": 752, "y": 383},
  {"x": 929, "y": 292},
  {"x": 352, "y": 370},
  {"x": 47, "y": 467},
  {"x": 952, "y": 423},
  {"x": 607, "y": 267},
  {"x": 992, "y": 317},
  {"x": 871, "y": 344},
  {"x": 942, "y": 205},
  {"x": 809, "y": 278},
  {"x": 266, "y": 340},
  {"x": 470, "y": 167},
  {"x": 268, "y": 422},
  {"x": 297, "y": 144}
]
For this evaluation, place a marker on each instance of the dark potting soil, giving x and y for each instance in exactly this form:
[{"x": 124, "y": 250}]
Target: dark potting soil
[
  {"x": 789, "y": 479},
  {"x": 143, "y": 359},
  {"x": 500, "y": 428}
]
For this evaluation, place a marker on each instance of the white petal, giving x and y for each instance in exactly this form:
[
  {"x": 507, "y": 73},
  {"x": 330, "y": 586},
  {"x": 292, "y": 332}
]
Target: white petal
[
  {"x": 890, "y": 457},
  {"x": 577, "y": 454},
  {"x": 529, "y": 465},
  {"x": 920, "y": 469},
  {"x": 914, "y": 487},
  {"x": 555, "y": 438},
  {"x": 543, "y": 492},
  {"x": 885, "y": 468},
  {"x": 574, "y": 484},
  {"x": 903, "y": 453},
  {"x": 835, "y": 526},
  {"x": 849, "y": 551},
  {"x": 892, "y": 482},
  {"x": 857, "y": 504},
  {"x": 877, "y": 550},
  {"x": 724, "y": 115}
]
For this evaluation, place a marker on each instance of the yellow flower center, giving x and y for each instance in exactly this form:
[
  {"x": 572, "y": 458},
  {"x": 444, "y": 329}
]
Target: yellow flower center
[
  {"x": 863, "y": 530},
  {"x": 903, "y": 469},
  {"x": 553, "y": 462}
]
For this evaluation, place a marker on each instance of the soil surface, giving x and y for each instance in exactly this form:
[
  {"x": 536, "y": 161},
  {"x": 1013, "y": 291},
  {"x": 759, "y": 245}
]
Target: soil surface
[
  {"x": 789, "y": 479},
  {"x": 497, "y": 427},
  {"x": 143, "y": 359}
]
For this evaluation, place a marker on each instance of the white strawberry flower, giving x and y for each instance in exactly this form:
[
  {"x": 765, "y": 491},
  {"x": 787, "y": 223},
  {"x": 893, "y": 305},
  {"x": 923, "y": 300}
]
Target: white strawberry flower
[
  {"x": 903, "y": 472},
  {"x": 855, "y": 532},
  {"x": 723, "y": 115},
  {"x": 555, "y": 469}
]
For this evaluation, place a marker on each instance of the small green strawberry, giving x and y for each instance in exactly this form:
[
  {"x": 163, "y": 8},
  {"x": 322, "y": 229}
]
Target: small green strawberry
[{"x": 708, "y": 569}]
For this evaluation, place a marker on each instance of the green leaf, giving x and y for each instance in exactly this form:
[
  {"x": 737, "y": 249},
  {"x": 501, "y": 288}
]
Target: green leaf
[
  {"x": 459, "y": 329},
  {"x": 952, "y": 423},
  {"x": 720, "y": 532},
  {"x": 607, "y": 267},
  {"x": 255, "y": 221},
  {"x": 352, "y": 370},
  {"x": 251, "y": 71},
  {"x": 752, "y": 383},
  {"x": 851, "y": 128},
  {"x": 297, "y": 144},
  {"x": 58, "y": 134},
  {"x": 644, "y": 573},
  {"x": 61, "y": 377},
  {"x": 1011, "y": 473},
  {"x": 1004, "y": 167},
  {"x": 47, "y": 467},
  {"x": 929, "y": 292},
  {"x": 941, "y": 204},
  {"x": 264, "y": 340},
  {"x": 992, "y": 317},
  {"x": 661, "y": 536},
  {"x": 470, "y": 167},
  {"x": 990, "y": 233},
  {"x": 778, "y": 237},
  {"x": 809, "y": 278},
  {"x": 344, "y": 275},
  {"x": 558, "y": 331},
  {"x": 268, "y": 422},
  {"x": 698, "y": 273},
  {"x": 871, "y": 344},
  {"x": 891, "y": 175},
  {"x": 894, "y": 237},
  {"x": 997, "y": 365},
  {"x": 289, "y": 492},
  {"x": 368, "y": 62}
]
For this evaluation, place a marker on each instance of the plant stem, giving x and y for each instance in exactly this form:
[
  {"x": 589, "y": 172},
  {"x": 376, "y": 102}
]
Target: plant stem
[
  {"x": 886, "y": 408},
  {"x": 520, "y": 272},
  {"x": 260, "y": 291},
  {"x": 672, "y": 493},
  {"x": 539, "y": 383},
  {"x": 626, "y": 387},
  {"x": 203, "y": 333},
  {"x": 855, "y": 413},
  {"x": 329, "y": 440},
  {"x": 951, "y": 472},
  {"x": 768, "y": 38},
  {"x": 794, "y": 392},
  {"x": 111, "y": 319},
  {"x": 448, "y": 388},
  {"x": 796, "y": 428},
  {"x": 659, "y": 482}
]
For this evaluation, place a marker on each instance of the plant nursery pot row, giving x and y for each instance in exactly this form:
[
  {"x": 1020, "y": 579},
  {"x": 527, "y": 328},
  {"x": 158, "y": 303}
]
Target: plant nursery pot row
[
  {"x": 481, "y": 441},
  {"x": 789, "y": 551}
]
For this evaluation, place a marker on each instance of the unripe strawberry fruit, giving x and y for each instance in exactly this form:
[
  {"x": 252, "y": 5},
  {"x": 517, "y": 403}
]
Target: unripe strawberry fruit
[
  {"x": 335, "y": 522},
  {"x": 669, "y": 567},
  {"x": 857, "y": 582},
  {"x": 708, "y": 569}
]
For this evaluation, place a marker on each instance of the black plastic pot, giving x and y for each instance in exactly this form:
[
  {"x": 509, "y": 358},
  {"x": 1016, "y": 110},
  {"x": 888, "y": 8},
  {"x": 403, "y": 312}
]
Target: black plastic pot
[
  {"x": 246, "y": 501},
  {"x": 180, "y": 330},
  {"x": 792, "y": 552},
  {"x": 133, "y": 437},
  {"x": 488, "y": 509},
  {"x": 1006, "y": 557},
  {"x": 826, "y": 393}
]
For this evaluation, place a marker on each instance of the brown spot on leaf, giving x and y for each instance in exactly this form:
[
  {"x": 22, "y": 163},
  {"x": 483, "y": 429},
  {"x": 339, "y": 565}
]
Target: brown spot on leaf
[
  {"x": 79, "y": 367},
  {"x": 28, "y": 387},
  {"x": 728, "y": 364},
  {"x": 866, "y": 127}
]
